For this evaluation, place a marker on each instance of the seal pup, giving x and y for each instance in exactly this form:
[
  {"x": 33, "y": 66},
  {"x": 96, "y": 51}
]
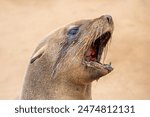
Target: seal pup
[{"x": 66, "y": 62}]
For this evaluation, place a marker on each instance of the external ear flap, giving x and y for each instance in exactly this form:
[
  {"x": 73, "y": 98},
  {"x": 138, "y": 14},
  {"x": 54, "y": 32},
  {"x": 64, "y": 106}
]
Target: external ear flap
[{"x": 37, "y": 54}]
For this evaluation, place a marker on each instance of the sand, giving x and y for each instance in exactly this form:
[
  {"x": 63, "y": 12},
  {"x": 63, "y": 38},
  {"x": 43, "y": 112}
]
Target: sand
[{"x": 24, "y": 23}]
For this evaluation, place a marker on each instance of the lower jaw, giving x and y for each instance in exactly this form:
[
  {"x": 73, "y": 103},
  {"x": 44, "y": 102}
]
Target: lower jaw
[{"x": 104, "y": 69}]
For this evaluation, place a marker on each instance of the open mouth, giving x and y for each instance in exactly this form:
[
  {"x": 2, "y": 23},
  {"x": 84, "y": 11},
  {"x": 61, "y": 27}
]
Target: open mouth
[{"x": 93, "y": 54}]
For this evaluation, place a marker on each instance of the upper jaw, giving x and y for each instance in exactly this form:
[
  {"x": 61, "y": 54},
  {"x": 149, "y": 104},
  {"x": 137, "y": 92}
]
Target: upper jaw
[{"x": 93, "y": 55}]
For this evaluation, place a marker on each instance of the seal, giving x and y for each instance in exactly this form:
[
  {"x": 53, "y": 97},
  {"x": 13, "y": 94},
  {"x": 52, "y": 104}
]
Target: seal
[{"x": 66, "y": 62}]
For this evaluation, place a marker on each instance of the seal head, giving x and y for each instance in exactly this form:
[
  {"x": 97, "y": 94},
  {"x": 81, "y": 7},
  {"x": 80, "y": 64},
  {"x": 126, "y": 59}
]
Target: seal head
[
  {"x": 67, "y": 61},
  {"x": 81, "y": 51}
]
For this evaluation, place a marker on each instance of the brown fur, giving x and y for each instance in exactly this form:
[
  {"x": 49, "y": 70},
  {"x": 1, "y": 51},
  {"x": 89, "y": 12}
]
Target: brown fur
[{"x": 56, "y": 69}]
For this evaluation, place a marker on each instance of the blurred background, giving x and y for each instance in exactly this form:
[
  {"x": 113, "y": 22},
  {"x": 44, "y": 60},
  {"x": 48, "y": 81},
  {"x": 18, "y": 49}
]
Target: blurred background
[{"x": 23, "y": 23}]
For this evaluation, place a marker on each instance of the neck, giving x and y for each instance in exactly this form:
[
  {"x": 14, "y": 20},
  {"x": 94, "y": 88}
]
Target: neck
[
  {"x": 55, "y": 89},
  {"x": 69, "y": 90}
]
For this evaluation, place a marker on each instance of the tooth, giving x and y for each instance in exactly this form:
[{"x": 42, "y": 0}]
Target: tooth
[{"x": 109, "y": 63}]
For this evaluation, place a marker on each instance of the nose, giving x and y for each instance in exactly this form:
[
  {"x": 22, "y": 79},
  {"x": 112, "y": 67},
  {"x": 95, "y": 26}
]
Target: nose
[{"x": 108, "y": 18}]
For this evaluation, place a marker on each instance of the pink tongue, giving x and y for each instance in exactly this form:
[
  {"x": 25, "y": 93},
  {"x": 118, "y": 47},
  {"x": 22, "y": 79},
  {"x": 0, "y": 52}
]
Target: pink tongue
[
  {"x": 90, "y": 52},
  {"x": 91, "y": 55}
]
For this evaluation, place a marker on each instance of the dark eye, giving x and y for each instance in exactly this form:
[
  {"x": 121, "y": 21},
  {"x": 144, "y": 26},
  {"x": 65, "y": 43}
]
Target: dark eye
[{"x": 73, "y": 31}]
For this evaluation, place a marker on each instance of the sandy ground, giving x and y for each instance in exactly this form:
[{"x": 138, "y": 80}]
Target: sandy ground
[{"x": 23, "y": 23}]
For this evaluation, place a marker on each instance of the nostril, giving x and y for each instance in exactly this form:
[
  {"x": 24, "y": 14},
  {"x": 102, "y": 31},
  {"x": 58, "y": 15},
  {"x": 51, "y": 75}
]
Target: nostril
[{"x": 109, "y": 18}]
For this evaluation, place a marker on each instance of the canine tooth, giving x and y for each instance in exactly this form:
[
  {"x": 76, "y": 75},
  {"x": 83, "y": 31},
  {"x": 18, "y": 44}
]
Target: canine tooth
[{"x": 109, "y": 63}]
